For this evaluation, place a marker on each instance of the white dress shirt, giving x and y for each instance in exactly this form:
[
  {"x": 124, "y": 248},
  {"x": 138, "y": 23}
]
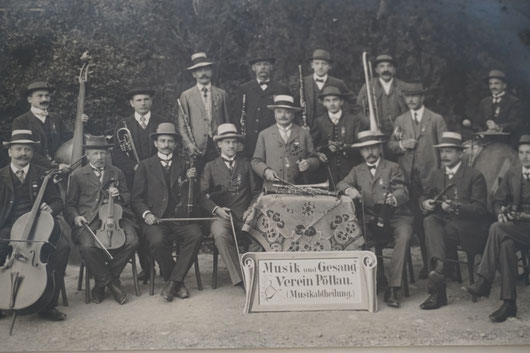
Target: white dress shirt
[
  {"x": 451, "y": 172},
  {"x": 138, "y": 118},
  {"x": 285, "y": 133},
  {"x": 386, "y": 85},
  {"x": 39, "y": 113},
  {"x": 323, "y": 78},
  {"x": 335, "y": 118}
]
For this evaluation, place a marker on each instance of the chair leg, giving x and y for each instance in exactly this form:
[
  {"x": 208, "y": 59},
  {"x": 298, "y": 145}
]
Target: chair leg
[
  {"x": 63, "y": 293},
  {"x": 215, "y": 262},
  {"x": 152, "y": 275},
  {"x": 80, "y": 278},
  {"x": 135, "y": 274},
  {"x": 87, "y": 286},
  {"x": 470, "y": 270},
  {"x": 198, "y": 273}
]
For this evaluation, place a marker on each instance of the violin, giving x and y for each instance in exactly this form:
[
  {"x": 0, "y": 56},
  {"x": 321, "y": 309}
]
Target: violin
[
  {"x": 110, "y": 234},
  {"x": 27, "y": 282},
  {"x": 188, "y": 191}
]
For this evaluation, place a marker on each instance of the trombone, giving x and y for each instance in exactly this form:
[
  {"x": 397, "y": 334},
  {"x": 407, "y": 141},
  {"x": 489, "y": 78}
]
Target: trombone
[
  {"x": 370, "y": 93},
  {"x": 126, "y": 142}
]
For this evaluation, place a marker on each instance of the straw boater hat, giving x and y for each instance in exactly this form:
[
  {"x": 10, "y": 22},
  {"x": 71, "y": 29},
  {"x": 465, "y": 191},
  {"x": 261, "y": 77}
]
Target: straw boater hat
[
  {"x": 261, "y": 55},
  {"x": 450, "y": 139},
  {"x": 331, "y": 91},
  {"x": 524, "y": 140},
  {"x": 367, "y": 138},
  {"x": 320, "y": 54},
  {"x": 496, "y": 74},
  {"x": 413, "y": 88},
  {"x": 165, "y": 129},
  {"x": 21, "y": 137},
  {"x": 283, "y": 101},
  {"x": 97, "y": 143},
  {"x": 38, "y": 85},
  {"x": 139, "y": 88},
  {"x": 384, "y": 58},
  {"x": 199, "y": 60},
  {"x": 226, "y": 130}
]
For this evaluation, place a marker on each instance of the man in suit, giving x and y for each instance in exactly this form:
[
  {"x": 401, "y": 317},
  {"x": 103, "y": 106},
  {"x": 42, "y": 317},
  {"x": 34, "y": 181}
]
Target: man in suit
[
  {"x": 380, "y": 183},
  {"x": 141, "y": 125},
  {"x": 19, "y": 185},
  {"x": 156, "y": 194},
  {"x": 511, "y": 204},
  {"x": 205, "y": 107},
  {"x": 337, "y": 131},
  {"x": 228, "y": 187},
  {"x": 415, "y": 134},
  {"x": 284, "y": 151},
  {"x": 501, "y": 111},
  {"x": 389, "y": 99},
  {"x": 259, "y": 93},
  {"x": 47, "y": 128},
  {"x": 321, "y": 63},
  {"x": 457, "y": 219},
  {"x": 89, "y": 189}
]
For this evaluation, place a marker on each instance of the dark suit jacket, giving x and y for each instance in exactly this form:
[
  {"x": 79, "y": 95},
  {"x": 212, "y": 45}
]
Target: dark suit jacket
[
  {"x": 509, "y": 117},
  {"x": 509, "y": 191},
  {"x": 120, "y": 159},
  {"x": 272, "y": 152},
  {"x": 48, "y": 143},
  {"x": 373, "y": 189},
  {"x": 150, "y": 190},
  {"x": 7, "y": 191},
  {"x": 194, "y": 108},
  {"x": 259, "y": 117},
  {"x": 236, "y": 190},
  {"x": 86, "y": 193}
]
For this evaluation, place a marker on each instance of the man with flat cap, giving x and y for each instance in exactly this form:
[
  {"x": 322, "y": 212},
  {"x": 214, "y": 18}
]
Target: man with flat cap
[
  {"x": 389, "y": 99},
  {"x": 501, "y": 111},
  {"x": 46, "y": 127},
  {"x": 257, "y": 93},
  {"x": 204, "y": 108},
  {"x": 454, "y": 204},
  {"x": 511, "y": 204}
]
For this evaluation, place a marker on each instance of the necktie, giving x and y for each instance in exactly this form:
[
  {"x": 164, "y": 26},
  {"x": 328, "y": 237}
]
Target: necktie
[
  {"x": 450, "y": 175},
  {"x": 526, "y": 175},
  {"x": 263, "y": 84},
  {"x": 20, "y": 175},
  {"x": 334, "y": 119},
  {"x": 284, "y": 135},
  {"x": 372, "y": 169},
  {"x": 98, "y": 172},
  {"x": 166, "y": 163},
  {"x": 205, "y": 92},
  {"x": 416, "y": 121},
  {"x": 229, "y": 162},
  {"x": 143, "y": 122}
]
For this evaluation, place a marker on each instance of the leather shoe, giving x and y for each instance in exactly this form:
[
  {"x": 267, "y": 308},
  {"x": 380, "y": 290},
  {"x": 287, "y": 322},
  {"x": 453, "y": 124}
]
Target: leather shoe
[
  {"x": 507, "y": 309},
  {"x": 52, "y": 314},
  {"x": 117, "y": 292},
  {"x": 437, "y": 298},
  {"x": 181, "y": 291},
  {"x": 391, "y": 297},
  {"x": 481, "y": 287},
  {"x": 169, "y": 291},
  {"x": 98, "y": 294}
]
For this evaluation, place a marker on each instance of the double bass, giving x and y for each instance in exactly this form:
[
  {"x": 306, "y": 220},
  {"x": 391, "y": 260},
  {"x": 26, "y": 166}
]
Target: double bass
[{"x": 27, "y": 281}]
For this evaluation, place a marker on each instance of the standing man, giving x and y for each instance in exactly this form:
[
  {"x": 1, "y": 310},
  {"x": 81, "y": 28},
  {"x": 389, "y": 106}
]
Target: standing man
[
  {"x": 47, "y": 128},
  {"x": 455, "y": 206},
  {"x": 284, "y": 150},
  {"x": 337, "y": 131},
  {"x": 511, "y": 204},
  {"x": 156, "y": 194},
  {"x": 415, "y": 134},
  {"x": 314, "y": 84},
  {"x": 259, "y": 93},
  {"x": 20, "y": 183},
  {"x": 89, "y": 190},
  {"x": 501, "y": 111},
  {"x": 228, "y": 187},
  {"x": 379, "y": 182},
  {"x": 205, "y": 107},
  {"x": 389, "y": 99}
]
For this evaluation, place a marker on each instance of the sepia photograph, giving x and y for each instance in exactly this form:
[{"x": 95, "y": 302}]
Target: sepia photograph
[{"x": 264, "y": 175}]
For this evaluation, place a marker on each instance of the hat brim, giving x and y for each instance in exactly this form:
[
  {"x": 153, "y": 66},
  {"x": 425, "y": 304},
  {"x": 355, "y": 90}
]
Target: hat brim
[
  {"x": 491, "y": 133},
  {"x": 257, "y": 60},
  {"x": 98, "y": 147},
  {"x": 503, "y": 79},
  {"x": 393, "y": 62},
  {"x": 222, "y": 137},
  {"x": 156, "y": 134},
  {"x": 366, "y": 143},
  {"x": 322, "y": 96},
  {"x": 203, "y": 64},
  {"x": 132, "y": 93},
  {"x": 27, "y": 92},
  {"x": 20, "y": 142},
  {"x": 273, "y": 106},
  {"x": 449, "y": 145},
  {"x": 320, "y": 58}
]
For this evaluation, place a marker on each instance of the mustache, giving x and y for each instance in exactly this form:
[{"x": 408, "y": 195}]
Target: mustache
[
  {"x": 44, "y": 102},
  {"x": 386, "y": 73}
]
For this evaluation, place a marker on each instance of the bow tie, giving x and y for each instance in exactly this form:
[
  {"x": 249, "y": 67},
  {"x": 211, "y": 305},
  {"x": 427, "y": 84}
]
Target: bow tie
[
  {"x": 261, "y": 83},
  {"x": 372, "y": 167},
  {"x": 165, "y": 162},
  {"x": 321, "y": 80},
  {"x": 497, "y": 99}
]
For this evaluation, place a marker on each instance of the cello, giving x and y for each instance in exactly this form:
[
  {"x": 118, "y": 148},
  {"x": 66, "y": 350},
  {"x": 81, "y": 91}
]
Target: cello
[
  {"x": 27, "y": 282},
  {"x": 111, "y": 235}
]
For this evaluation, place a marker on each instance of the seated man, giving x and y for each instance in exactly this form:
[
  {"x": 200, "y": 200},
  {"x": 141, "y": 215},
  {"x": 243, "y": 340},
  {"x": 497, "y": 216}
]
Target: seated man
[
  {"x": 88, "y": 191},
  {"x": 156, "y": 194},
  {"x": 380, "y": 183},
  {"x": 20, "y": 183},
  {"x": 512, "y": 207},
  {"x": 284, "y": 150},
  {"x": 457, "y": 219},
  {"x": 228, "y": 186}
]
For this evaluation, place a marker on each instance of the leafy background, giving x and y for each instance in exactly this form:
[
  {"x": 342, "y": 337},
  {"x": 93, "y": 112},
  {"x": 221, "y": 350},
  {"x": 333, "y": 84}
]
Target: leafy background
[{"x": 449, "y": 44}]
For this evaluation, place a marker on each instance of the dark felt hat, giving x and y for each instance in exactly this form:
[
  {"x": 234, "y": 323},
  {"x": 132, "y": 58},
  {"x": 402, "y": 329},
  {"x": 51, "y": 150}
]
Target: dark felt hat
[
  {"x": 385, "y": 58},
  {"x": 413, "y": 88},
  {"x": 321, "y": 54},
  {"x": 331, "y": 91},
  {"x": 97, "y": 143},
  {"x": 261, "y": 55},
  {"x": 496, "y": 74},
  {"x": 524, "y": 140},
  {"x": 140, "y": 88}
]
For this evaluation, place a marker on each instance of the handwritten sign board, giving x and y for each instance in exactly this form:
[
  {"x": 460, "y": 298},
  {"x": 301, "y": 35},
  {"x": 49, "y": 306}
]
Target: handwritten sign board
[{"x": 304, "y": 281}]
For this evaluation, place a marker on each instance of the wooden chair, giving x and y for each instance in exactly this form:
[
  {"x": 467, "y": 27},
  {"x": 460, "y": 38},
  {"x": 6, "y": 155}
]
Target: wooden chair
[{"x": 378, "y": 250}]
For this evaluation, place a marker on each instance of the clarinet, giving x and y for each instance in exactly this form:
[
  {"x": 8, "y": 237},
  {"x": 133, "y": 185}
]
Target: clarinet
[
  {"x": 302, "y": 99},
  {"x": 243, "y": 119},
  {"x": 187, "y": 123}
]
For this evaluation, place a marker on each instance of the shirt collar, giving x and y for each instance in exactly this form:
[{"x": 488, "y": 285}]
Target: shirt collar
[
  {"x": 39, "y": 113},
  {"x": 325, "y": 77},
  {"x": 200, "y": 87},
  {"x": 376, "y": 163},
  {"x": 386, "y": 85},
  {"x": 146, "y": 116},
  {"x": 525, "y": 170},
  {"x": 285, "y": 128},
  {"x": 499, "y": 95},
  {"x": 228, "y": 158},
  {"x": 419, "y": 112},
  {"x": 14, "y": 169},
  {"x": 454, "y": 169},
  {"x": 260, "y": 82},
  {"x": 94, "y": 167},
  {"x": 165, "y": 157}
]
